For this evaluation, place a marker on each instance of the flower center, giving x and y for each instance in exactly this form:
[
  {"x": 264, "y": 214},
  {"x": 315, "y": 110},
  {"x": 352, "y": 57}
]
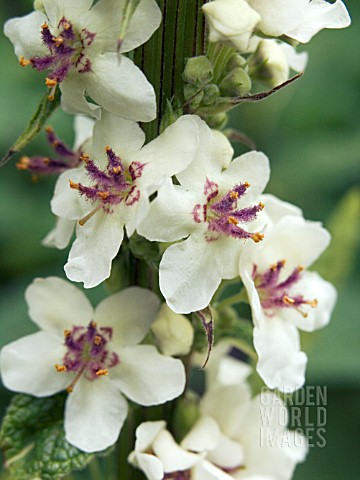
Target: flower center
[
  {"x": 222, "y": 213},
  {"x": 87, "y": 353},
  {"x": 111, "y": 187},
  {"x": 67, "y": 49},
  {"x": 274, "y": 293},
  {"x": 180, "y": 475}
]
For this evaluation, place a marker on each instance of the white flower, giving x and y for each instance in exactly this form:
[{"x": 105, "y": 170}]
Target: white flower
[
  {"x": 231, "y": 22},
  {"x": 78, "y": 42},
  {"x": 283, "y": 297},
  {"x": 209, "y": 207},
  {"x": 98, "y": 361},
  {"x": 232, "y": 434},
  {"x": 61, "y": 234},
  {"x": 113, "y": 189},
  {"x": 299, "y": 19},
  {"x": 173, "y": 332}
]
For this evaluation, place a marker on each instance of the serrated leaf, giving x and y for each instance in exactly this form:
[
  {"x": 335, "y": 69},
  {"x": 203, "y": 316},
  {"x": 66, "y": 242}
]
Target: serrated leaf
[
  {"x": 33, "y": 440},
  {"x": 45, "y": 109}
]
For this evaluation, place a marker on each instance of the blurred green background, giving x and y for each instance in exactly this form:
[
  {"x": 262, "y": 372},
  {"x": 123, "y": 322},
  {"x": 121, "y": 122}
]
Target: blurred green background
[{"x": 310, "y": 131}]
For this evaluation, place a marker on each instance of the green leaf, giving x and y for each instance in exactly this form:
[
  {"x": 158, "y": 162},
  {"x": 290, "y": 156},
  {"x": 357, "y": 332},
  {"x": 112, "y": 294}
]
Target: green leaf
[
  {"x": 339, "y": 259},
  {"x": 33, "y": 440},
  {"x": 43, "y": 112}
]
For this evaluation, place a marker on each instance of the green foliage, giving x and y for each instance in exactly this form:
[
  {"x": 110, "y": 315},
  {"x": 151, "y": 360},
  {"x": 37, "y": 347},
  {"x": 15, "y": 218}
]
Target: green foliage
[
  {"x": 337, "y": 262},
  {"x": 33, "y": 440},
  {"x": 145, "y": 250},
  {"x": 43, "y": 112}
]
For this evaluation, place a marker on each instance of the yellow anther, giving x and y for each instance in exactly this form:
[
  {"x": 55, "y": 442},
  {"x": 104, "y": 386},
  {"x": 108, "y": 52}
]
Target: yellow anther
[
  {"x": 24, "y": 62},
  {"x": 232, "y": 220},
  {"x": 74, "y": 185},
  {"x": 117, "y": 169},
  {"x": 300, "y": 268},
  {"x": 60, "y": 368},
  {"x": 23, "y": 163},
  {"x": 49, "y": 82},
  {"x": 85, "y": 158},
  {"x": 58, "y": 41},
  {"x": 44, "y": 25},
  {"x": 67, "y": 332},
  {"x": 49, "y": 129},
  {"x": 246, "y": 184},
  {"x": 257, "y": 237},
  {"x": 313, "y": 303},
  {"x": 107, "y": 148},
  {"x": 103, "y": 195},
  {"x": 103, "y": 371},
  {"x": 93, "y": 324},
  {"x": 288, "y": 300},
  {"x": 97, "y": 340},
  {"x": 69, "y": 389},
  {"x": 261, "y": 205},
  {"x": 67, "y": 25},
  {"x": 234, "y": 195}
]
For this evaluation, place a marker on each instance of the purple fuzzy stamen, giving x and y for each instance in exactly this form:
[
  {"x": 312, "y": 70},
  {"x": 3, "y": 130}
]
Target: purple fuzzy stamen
[
  {"x": 275, "y": 294},
  {"x": 67, "y": 50},
  {"x": 222, "y": 213},
  {"x": 87, "y": 352}
]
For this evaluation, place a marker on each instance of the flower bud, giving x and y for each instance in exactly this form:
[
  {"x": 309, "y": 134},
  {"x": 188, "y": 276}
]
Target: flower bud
[
  {"x": 269, "y": 63},
  {"x": 198, "y": 71},
  {"x": 193, "y": 95},
  {"x": 217, "y": 121},
  {"x": 39, "y": 5},
  {"x": 236, "y": 83},
  {"x": 173, "y": 332},
  {"x": 211, "y": 94},
  {"x": 231, "y": 22}
]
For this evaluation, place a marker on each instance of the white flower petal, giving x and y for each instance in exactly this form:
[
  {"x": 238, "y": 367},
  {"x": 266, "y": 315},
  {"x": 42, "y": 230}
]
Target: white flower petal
[
  {"x": 170, "y": 153},
  {"x": 313, "y": 287},
  {"x": 70, "y": 9},
  {"x": 246, "y": 266},
  {"x": 320, "y": 14},
  {"x": 275, "y": 208},
  {"x": 252, "y": 167},
  {"x": 130, "y": 314},
  {"x": 190, "y": 274},
  {"x": 66, "y": 202},
  {"x": 170, "y": 215},
  {"x": 149, "y": 464},
  {"x": 25, "y": 34},
  {"x": 279, "y": 16},
  {"x": 28, "y": 365},
  {"x": 145, "y": 20},
  {"x": 204, "y": 436},
  {"x": 297, "y": 60},
  {"x": 146, "y": 433},
  {"x": 83, "y": 127},
  {"x": 207, "y": 471},
  {"x": 95, "y": 412},
  {"x": 234, "y": 401},
  {"x": 228, "y": 453},
  {"x": 56, "y": 305},
  {"x": 96, "y": 245},
  {"x": 121, "y": 88},
  {"x": 281, "y": 363},
  {"x": 60, "y": 236},
  {"x": 172, "y": 456},
  {"x": 73, "y": 97},
  {"x": 209, "y": 160},
  {"x": 124, "y": 137},
  {"x": 147, "y": 377}
]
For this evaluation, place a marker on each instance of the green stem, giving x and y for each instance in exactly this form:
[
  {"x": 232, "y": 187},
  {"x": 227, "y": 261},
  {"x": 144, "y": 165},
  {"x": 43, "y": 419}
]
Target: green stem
[
  {"x": 220, "y": 58},
  {"x": 240, "y": 297},
  {"x": 95, "y": 470}
]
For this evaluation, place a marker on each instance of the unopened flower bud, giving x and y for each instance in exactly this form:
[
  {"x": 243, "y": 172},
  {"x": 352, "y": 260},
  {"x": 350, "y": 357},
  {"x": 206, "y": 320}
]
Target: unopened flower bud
[
  {"x": 211, "y": 94},
  {"x": 193, "y": 95},
  {"x": 231, "y": 22},
  {"x": 236, "y": 61},
  {"x": 236, "y": 83},
  {"x": 198, "y": 71},
  {"x": 269, "y": 63},
  {"x": 217, "y": 121},
  {"x": 174, "y": 332}
]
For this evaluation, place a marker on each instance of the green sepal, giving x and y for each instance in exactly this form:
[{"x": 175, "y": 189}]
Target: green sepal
[
  {"x": 45, "y": 108},
  {"x": 33, "y": 440},
  {"x": 145, "y": 250}
]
